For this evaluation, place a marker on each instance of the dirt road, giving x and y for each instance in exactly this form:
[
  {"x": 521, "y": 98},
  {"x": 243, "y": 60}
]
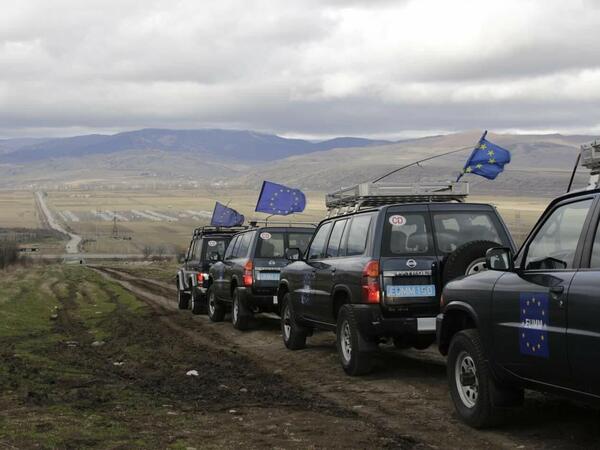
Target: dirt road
[
  {"x": 406, "y": 395},
  {"x": 72, "y": 246}
]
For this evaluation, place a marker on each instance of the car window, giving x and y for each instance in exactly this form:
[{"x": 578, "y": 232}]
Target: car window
[
  {"x": 406, "y": 233},
  {"x": 317, "y": 246},
  {"x": 242, "y": 250},
  {"x": 336, "y": 239},
  {"x": 197, "y": 250},
  {"x": 453, "y": 229},
  {"x": 299, "y": 240},
  {"x": 554, "y": 245},
  {"x": 270, "y": 244},
  {"x": 230, "y": 248},
  {"x": 595, "y": 261},
  {"x": 357, "y": 236}
]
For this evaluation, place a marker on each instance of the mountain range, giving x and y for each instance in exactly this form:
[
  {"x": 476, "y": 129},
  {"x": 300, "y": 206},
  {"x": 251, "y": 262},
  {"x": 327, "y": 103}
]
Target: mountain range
[{"x": 541, "y": 163}]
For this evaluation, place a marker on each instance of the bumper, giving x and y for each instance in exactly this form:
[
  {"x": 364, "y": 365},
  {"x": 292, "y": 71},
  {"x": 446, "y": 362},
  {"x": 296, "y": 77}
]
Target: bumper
[
  {"x": 371, "y": 322},
  {"x": 267, "y": 303}
]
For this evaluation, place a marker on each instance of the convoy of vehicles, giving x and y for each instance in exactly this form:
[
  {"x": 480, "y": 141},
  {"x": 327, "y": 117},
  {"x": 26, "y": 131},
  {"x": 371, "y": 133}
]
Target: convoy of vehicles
[
  {"x": 245, "y": 281},
  {"x": 414, "y": 265}
]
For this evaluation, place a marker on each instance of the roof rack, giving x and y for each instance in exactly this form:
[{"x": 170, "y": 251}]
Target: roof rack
[
  {"x": 271, "y": 223},
  {"x": 212, "y": 229},
  {"x": 369, "y": 195}
]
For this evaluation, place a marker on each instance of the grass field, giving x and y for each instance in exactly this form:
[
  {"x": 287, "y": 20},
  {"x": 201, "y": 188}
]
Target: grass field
[{"x": 169, "y": 216}]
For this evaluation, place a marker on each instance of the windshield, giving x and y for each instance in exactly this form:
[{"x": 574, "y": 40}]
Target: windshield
[{"x": 454, "y": 229}]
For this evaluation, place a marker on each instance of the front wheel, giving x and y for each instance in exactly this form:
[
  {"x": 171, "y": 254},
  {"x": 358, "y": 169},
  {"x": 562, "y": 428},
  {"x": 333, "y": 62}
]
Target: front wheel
[
  {"x": 198, "y": 303},
  {"x": 216, "y": 309},
  {"x": 470, "y": 380},
  {"x": 294, "y": 335},
  {"x": 354, "y": 351}
]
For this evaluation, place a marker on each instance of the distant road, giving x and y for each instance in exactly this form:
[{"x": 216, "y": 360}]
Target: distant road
[{"x": 72, "y": 246}]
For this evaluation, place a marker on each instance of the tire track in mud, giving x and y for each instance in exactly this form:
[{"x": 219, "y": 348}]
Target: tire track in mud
[{"x": 410, "y": 399}]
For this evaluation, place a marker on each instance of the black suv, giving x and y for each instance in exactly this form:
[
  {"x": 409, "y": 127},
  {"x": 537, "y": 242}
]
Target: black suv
[
  {"x": 378, "y": 273},
  {"x": 246, "y": 280},
  {"x": 532, "y": 321},
  {"x": 208, "y": 245}
]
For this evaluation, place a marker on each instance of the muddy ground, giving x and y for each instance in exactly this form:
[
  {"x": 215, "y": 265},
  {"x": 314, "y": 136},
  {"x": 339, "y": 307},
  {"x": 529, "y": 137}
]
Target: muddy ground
[
  {"x": 406, "y": 395},
  {"x": 98, "y": 358}
]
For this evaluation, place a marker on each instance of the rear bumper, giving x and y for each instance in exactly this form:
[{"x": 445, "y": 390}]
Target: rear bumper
[
  {"x": 371, "y": 322},
  {"x": 268, "y": 303}
]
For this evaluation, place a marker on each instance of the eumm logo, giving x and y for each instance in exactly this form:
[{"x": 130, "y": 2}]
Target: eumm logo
[{"x": 533, "y": 334}]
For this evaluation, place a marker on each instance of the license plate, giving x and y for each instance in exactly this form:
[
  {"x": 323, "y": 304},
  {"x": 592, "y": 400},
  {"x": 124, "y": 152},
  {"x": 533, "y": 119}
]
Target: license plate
[
  {"x": 419, "y": 290},
  {"x": 268, "y": 276}
]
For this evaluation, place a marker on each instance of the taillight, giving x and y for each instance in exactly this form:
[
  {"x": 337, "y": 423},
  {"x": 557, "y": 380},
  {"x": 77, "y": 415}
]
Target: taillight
[
  {"x": 442, "y": 301},
  {"x": 248, "y": 279},
  {"x": 201, "y": 277},
  {"x": 370, "y": 284}
]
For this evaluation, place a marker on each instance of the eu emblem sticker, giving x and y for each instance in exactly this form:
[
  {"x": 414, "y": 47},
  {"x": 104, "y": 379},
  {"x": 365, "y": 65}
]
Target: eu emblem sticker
[{"x": 533, "y": 334}]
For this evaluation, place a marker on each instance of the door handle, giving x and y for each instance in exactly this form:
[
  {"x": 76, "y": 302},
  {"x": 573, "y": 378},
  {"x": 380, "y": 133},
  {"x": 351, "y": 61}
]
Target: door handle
[{"x": 557, "y": 290}]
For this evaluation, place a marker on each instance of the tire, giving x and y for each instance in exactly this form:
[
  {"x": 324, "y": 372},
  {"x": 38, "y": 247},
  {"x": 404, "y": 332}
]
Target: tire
[
  {"x": 294, "y": 335},
  {"x": 476, "y": 402},
  {"x": 198, "y": 304},
  {"x": 240, "y": 317},
  {"x": 183, "y": 299},
  {"x": 216, "y": 309},
  {"x": 467, "y": 259},
  {"x": 354, "y": 351}
]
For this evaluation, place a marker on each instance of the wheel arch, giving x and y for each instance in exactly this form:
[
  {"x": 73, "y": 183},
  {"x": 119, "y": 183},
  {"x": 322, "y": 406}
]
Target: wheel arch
[
  {"x": 341, "y": 296},
  {"x": 458, "y": 316}
]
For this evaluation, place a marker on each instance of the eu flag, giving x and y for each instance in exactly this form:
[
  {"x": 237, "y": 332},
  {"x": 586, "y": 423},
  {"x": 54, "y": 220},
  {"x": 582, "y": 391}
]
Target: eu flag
[
  {"x": 224, "y": 216},
  {"x": 533, "y": 333},
  {"x": 487, "y": 160},
  {"x": 280, "y": 200}
]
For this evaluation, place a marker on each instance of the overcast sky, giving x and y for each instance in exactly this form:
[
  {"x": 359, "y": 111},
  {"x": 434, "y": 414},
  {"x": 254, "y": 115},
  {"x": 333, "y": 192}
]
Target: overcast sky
[{"x": 303, "y": 68}]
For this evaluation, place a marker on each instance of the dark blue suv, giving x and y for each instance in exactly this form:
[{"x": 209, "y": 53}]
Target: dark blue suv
[{"x": 532, "y": 320}]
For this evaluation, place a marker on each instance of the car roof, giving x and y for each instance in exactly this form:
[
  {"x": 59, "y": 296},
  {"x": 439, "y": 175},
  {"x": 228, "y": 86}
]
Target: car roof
[
  {"x": 572, "y": 194},
  {"x": 281, "y": 228},
  {"x": 436, "y": 205}
]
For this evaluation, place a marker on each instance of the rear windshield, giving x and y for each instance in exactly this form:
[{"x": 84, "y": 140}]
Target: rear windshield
[
  {"x": 272, "y": 244},
  {"x": 211, "y": 245},
  {"x": 457, "y": 228},
  {"x": 407, "y": 233}
]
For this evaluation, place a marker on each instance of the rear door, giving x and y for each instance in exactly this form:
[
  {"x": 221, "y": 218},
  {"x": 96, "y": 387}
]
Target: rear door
[
  {"x": 583, "y": 315},
  {"x": 409, "y": 262},
  {"x": 226, "y": 269},
  {"x": 529, "y": 307},
  {"x": 310, "y": 291}
]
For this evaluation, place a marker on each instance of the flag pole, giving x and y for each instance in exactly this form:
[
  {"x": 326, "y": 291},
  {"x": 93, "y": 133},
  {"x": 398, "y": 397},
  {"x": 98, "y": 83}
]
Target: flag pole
[
  {"x": 573, "y": 173},
  {"x": 472, "y": 153}
]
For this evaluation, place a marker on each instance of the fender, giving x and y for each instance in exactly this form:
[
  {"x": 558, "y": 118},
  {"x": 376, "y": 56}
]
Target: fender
[
  {"x": 341, "y": 288},
  {"x": 283, "y": 284},
  {"x": 443, "y": 325},
  {"x": 180, "y": 283}
]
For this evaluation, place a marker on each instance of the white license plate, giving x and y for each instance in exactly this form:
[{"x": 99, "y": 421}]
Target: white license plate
[
  {"x": 417, "y": 290},
  {"x": 267, "y": 276}
]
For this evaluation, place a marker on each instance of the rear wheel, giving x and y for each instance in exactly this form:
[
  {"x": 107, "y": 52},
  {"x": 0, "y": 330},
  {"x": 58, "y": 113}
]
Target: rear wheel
[
  {"x": 294, "y": 335},
  {"x": 354, "y": 351},
  {"x": 216, "y": 309},
  {"x": 198, "y": 302},
  {"x": 240, "y": 317},
  {"x": 183, "y": 299},
  {"x": 468, "y": 259}
]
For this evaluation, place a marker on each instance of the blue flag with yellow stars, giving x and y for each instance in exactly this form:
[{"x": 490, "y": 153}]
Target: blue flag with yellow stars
[
  {"x": 487, "y": 160},
  {"x": 533, "y": 333},
  {"x": 223, "y": 216},
  {"x": 280, "y": 200}
]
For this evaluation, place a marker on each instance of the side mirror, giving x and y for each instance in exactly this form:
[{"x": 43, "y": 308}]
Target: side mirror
[
  {"x": 500, "y": 258},
  {"x": 293, "y": 254},
  {"x": 214, "y": 257}
]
